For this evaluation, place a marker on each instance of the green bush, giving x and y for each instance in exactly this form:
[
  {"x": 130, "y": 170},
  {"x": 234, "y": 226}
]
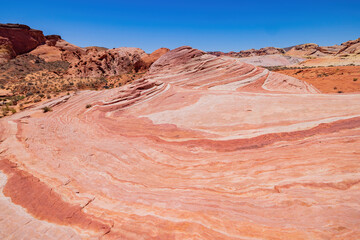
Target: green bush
[{"x": 46, "y": 109}]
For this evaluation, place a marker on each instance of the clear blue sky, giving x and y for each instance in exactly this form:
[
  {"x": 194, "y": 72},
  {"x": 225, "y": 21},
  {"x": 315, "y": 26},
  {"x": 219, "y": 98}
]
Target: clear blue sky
[{"x": 224, "y": 25}]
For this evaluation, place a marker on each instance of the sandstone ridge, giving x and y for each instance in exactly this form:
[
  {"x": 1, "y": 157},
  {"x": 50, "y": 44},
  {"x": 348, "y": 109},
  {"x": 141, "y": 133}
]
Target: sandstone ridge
[{"x": 201, "y": 147}]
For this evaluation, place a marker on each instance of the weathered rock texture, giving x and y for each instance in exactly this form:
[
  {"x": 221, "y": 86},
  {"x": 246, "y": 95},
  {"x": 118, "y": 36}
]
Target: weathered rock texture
[
  {"x": 309, "y": 49},
  {"x": 113, "y": 62},
  {"x": 337, "y": 55},
  {"x": 148, "y": 59},
  {"x": 6, "y": 50},
  {"x": 251, "y": 52},
  {"x": 261, "y": 52},
  {"x": 314, "y": 50},
  {"x": 203, "y": 147},
  {"x": 57, "y": 49},
  {"x": 272, "y": 60},
  {"x": 350, "y": 47},
  {"x": 23, "y": 38}
]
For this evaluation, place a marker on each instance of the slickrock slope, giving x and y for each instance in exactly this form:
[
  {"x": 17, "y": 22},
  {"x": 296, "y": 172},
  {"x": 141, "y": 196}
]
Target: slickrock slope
[
  {"x": 314, "y": 50},
  {"x": 350, "y": 47},
  {"x": 348, "y": 53},
  {"x": 202, "y": 147},
  {"x": 309, "y": 49},
  {"x": 273, "y": 60},
  {"x": 193, "y": 68}
]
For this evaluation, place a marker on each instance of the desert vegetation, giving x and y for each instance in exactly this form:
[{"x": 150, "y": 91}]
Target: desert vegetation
[
  {"x": 28, "y": 79},
  {"x": 332, "y": 79}
]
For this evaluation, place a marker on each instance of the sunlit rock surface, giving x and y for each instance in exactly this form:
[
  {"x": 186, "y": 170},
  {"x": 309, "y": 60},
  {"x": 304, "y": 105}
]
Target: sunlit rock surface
[{"x": 202, "y": 147}]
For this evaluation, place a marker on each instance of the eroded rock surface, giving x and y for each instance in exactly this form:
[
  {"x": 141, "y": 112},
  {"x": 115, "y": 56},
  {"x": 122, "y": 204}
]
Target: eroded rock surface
[
  {"x": 23, "y": 38},
  {"x": 202, "y": 147},
  {"x": 112, "y": 62},
  {"x": 57, "y": 49},
  {"x": 251, "y": 52}
]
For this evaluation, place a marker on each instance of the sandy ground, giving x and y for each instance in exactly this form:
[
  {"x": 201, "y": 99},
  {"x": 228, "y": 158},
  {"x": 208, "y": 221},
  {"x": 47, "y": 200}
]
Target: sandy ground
[{"x": 345, "y": 79}]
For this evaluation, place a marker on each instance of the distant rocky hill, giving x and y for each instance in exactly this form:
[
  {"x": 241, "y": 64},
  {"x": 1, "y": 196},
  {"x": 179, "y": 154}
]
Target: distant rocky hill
[
  {"x": 302, "y": 50},
  {"x": 251, "y": 52}
]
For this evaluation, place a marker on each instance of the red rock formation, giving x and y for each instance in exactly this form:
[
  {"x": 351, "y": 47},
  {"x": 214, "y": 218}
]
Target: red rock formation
[
  {"x": 261, "y": 52},
  {"x": 309, "y": 49},
  {"x": 6, "y": 50},
  {"x": 350, "y": 47},
  {"x": 251, "y": 52},
  {"x": 57, "y": 49},
  {"x": 23, "y": 38},
  {"x": 202, "y": 147},
  {"x": 111, "y": 62},
  {"x": 51, "y": 40},
  {"x": 314, "y": 50},
  {"x": 211, "y": 72},
  {"x": 147, "y": 60}
]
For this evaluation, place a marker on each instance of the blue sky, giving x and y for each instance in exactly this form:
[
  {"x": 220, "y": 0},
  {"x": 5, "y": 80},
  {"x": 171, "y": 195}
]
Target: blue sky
[{"x": 224, "y": 25}]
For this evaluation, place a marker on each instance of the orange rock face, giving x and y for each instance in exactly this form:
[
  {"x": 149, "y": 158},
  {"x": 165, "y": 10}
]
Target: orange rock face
[
  {"x": 147, "y": 60},
  {"x": 57, "y": 49},
  {"x": 202, "y": 147},
  {"x": 112, "y": 62}
]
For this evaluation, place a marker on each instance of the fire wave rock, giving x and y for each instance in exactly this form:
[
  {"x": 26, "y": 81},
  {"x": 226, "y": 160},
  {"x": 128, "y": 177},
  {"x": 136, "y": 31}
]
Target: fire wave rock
[{"x": 202, "y": 147}]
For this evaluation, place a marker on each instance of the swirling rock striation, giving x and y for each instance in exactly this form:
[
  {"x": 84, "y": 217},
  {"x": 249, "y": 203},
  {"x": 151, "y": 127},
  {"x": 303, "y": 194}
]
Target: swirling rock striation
[{"x": 202, "y": 147}]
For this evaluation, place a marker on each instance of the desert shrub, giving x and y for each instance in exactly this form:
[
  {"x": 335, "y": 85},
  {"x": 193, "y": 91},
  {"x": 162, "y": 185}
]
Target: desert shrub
[
  {"x": 355, "y": 79},
  {"x": 5, "y": 110},
  {"x": 46, "y": 109},
  {"x": 88, "y": 106},
  {"x": 13, "y": 110}
]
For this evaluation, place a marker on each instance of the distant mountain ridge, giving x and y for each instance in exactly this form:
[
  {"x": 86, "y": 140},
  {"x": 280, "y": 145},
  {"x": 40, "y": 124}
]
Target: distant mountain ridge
[{"x": 300, "y": 50}]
